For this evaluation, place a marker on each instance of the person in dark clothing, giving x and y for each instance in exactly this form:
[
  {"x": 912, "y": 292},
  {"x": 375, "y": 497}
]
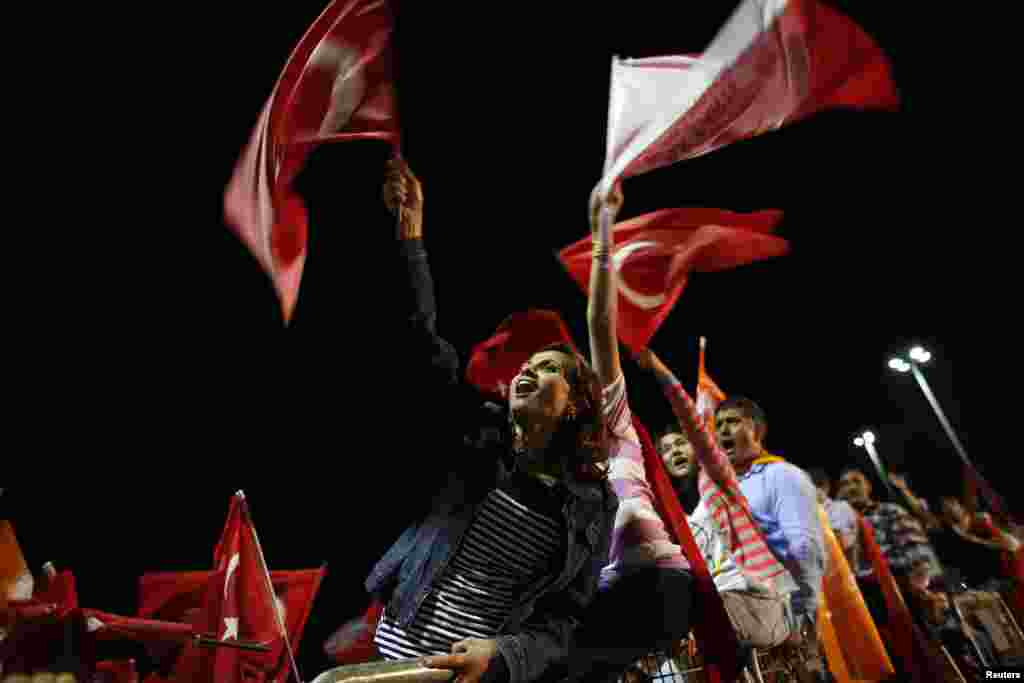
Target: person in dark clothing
[{"x": 494, "y": 578}]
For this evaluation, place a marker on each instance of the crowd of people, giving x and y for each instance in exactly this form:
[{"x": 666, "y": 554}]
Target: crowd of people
[{"x": 548, "y": 555}]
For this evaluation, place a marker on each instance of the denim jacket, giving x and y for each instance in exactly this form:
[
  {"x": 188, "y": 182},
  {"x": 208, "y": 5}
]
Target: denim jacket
[{"x": 536, "y": 635}]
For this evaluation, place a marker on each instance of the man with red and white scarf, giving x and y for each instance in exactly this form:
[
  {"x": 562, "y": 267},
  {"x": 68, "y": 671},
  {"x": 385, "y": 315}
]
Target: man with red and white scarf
[{"x": 783, "y": 501}]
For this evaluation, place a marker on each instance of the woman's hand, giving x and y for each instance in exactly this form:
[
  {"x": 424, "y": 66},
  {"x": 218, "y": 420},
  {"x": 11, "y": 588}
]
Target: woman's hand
[
  {"x": 470, "y": 659},
  {"x": 403, "y": 192},
  {"x": 613, "y": 203}
]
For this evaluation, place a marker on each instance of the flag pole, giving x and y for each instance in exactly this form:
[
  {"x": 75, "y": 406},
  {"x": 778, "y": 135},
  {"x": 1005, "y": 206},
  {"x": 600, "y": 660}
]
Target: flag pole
[{"x": 270, "y": 587}]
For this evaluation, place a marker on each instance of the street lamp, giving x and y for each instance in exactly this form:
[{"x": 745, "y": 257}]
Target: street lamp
[
  {"x": 916, "y": 357},
  {"x": 866, "y": 440}
]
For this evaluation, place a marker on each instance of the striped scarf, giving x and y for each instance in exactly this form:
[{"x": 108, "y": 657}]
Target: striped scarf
[{"x": 731, "y": 510}]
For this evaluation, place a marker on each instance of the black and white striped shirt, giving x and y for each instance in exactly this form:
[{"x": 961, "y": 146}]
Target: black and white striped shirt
[{"x": 515, "y": 540}]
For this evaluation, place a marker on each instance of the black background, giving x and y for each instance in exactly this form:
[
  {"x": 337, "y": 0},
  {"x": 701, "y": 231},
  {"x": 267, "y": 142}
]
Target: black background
[{"x": 161, "y": 378}]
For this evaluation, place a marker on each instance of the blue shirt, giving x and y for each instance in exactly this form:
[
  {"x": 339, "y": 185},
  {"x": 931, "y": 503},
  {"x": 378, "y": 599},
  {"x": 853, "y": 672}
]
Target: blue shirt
[{"x": 784, "y": 503}]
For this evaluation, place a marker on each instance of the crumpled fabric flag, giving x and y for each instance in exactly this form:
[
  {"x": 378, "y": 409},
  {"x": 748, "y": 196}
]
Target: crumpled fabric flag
[
  {"x": 495, "y": 361},
  {"x": 338, "y": 85},
  {"x": 655, "y": 253},
  {"x": 846, "y": 630},
  {"x": 773, "y": 63}
]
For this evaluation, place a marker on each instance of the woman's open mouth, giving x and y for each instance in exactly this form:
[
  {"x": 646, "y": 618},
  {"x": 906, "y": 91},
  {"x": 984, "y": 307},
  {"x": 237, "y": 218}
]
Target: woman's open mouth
[{"x": 524, "y": 387}]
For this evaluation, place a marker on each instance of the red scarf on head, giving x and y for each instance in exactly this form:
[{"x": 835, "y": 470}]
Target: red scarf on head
[{"x": 713, "y": 629}]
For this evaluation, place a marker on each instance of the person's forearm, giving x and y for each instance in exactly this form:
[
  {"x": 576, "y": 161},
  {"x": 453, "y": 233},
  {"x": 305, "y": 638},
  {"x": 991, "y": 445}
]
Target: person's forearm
[
  {"x": 711, "y": 458},
  {"x": 602, "y": 306}
]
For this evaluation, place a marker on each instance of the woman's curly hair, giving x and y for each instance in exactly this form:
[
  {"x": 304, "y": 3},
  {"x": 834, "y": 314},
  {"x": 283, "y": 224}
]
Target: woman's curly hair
[{"x": 581, "y": 439}]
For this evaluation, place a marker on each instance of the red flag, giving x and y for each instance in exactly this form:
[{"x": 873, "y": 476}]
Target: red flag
[
  {"x": 655, "y": 252},
  {"x": 296, "y": 590},
  {"x": 59, "y": 590},
  {"x": 240, "y": 594},
  {"x": 107, "y": 626},
  {"x": 171, "y": 595},
  {"x": 353, "y": 643},
  {"x": 494, "y": 362},
  {"x": 336, "y": 86},
  {"x": 713, "y": 630},
  {"x": 907, "y": 641},
  {"x": 194, "y": 597},
  {"x": 773, "y": 63},
  {"x": 116, "y": 671}
]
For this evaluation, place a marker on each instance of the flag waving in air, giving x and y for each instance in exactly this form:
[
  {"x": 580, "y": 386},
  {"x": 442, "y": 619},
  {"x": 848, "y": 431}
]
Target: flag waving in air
[
  {"x": 241, "y": 595},
  {"x": 773, "y": 63},
  {"x": 655, "y": 253},
  {"x": 338, "y": 85},
  {"x": 495, "y": 361},
  {"x": 708, "y": 394}
]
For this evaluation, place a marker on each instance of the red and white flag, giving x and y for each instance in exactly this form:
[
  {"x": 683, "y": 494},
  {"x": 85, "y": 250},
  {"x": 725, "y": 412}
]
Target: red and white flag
[
  {"x": 655, "y": 253},
  {"x": 773, "y": 63},
  {"x": 338, "y": 85},
  {"x": 240, "y": 593},
  {"x": 708, "y": 393},
  {"x": 496, "y": 360},
  {"x": 182, "y": 597}
]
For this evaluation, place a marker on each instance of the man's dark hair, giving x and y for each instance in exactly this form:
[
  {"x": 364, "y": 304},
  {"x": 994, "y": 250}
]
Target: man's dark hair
[
  {"x": 671, "y": 428},
  {"x": 747, "y": 408},
  {"x": 820, "y": 477},
  {"x": 847, "y": 470}
]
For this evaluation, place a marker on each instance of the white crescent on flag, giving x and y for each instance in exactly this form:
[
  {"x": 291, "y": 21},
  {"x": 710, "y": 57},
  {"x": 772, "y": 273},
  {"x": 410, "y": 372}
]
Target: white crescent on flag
[{"x": 644, "y": 301}]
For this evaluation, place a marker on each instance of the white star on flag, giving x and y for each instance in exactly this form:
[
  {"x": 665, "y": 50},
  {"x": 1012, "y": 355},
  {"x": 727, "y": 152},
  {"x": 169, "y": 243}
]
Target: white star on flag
[{"x": 230, "y": 628}]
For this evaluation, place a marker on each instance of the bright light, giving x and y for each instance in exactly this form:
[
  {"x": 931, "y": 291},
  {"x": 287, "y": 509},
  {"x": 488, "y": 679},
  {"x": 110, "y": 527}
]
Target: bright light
[
  {"x": 858, "y": 442},
  {"x": 899, "y": 365},
  {"x": 869, "y": 438},
  {"x": 919, "y": 354}
]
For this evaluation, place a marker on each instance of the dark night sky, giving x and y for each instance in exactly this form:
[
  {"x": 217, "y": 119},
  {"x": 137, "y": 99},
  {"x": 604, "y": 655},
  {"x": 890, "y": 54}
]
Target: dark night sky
[{"x": 176, "y": 383}]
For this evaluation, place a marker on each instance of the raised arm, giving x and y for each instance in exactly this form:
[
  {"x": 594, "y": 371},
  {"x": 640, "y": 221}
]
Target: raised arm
[
  {"x": 423, "y": 348},
  {"x": 602, "y": 307},
  {"x": 705, "y": 447}
]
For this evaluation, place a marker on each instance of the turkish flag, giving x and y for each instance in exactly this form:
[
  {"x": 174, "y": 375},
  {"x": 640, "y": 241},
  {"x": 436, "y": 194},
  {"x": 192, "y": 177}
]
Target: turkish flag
[
  {"x": 116, "y": 671},
  {"x": 495, "y": 361},
  {"x": 338, "y": 85},
  {"x": 232, "y": 602},
  {"x": 239, "y": 592},
  {"x": 773, "y": 63},
  {"x": 654, "y": 254}
]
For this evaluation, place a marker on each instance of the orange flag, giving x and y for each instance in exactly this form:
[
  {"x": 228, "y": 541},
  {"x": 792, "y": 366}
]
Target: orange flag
[
  {"x": 15, "y": 578},
  {"x": 708, "y": 394},
  {"x": 846, "y": 630}
]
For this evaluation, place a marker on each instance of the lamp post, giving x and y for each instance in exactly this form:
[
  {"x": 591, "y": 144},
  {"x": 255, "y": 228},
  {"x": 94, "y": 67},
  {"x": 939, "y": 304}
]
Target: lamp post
[
  {"x": 917, "y": 356},
  {"x": 866, "y": 440}
]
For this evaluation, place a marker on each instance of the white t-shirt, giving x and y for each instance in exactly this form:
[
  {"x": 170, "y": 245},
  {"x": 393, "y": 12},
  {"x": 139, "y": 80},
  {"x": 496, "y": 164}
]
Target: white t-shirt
[{"x": 711, "y": 542}]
